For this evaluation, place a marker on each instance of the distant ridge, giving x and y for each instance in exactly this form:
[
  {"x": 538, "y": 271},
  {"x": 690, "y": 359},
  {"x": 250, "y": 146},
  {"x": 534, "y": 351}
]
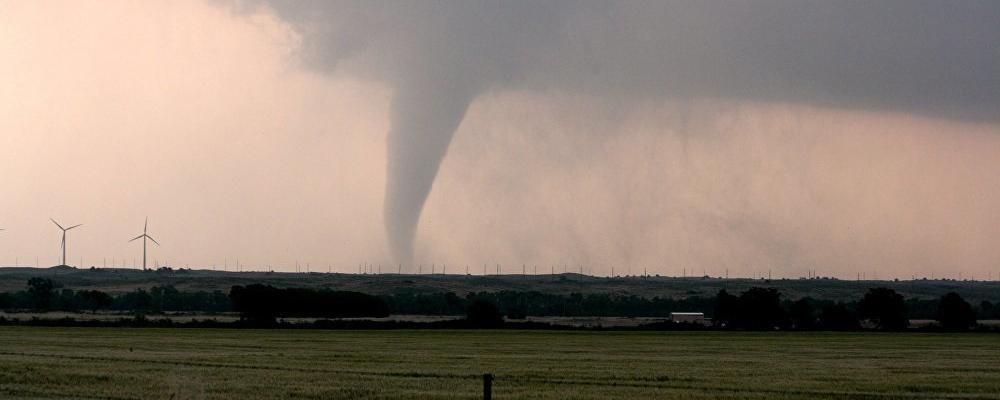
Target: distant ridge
[{"x": 118, "y": 280}]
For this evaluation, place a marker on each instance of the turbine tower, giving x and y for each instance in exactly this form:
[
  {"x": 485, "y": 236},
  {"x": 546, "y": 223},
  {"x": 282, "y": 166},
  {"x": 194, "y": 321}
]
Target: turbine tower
[
  {"x": 144, "y": 236},
  {"x": 63, "y": 238}
]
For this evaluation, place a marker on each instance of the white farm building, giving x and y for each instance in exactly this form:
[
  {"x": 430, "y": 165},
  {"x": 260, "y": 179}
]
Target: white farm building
[{"x": 688, "y": 317}]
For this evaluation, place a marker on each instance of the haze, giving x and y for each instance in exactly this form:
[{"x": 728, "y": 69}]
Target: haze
[{"x": 839, "y": 137}]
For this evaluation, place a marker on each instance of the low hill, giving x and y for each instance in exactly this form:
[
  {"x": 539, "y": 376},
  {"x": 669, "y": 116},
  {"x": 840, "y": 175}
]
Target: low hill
[{"x": 115, "y": 280}]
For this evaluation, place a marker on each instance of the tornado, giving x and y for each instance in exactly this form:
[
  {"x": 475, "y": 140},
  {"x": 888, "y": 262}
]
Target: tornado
[{"x": 425, "y": 113}]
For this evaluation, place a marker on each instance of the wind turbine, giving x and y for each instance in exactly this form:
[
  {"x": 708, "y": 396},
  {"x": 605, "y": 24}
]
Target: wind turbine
[
  {"x": 144, "y": 236},
  {"x": 63, "y": 238}
]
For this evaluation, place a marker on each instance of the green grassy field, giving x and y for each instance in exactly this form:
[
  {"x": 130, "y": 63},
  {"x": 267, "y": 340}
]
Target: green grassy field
[{"x": 249, "y": 364}]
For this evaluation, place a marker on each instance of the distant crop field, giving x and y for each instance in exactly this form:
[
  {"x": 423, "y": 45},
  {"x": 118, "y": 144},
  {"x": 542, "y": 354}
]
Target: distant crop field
[{"x": 123, "y": 363}]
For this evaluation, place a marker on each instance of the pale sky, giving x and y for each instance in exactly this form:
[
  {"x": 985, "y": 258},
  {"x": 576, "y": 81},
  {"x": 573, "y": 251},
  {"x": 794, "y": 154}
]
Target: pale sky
[{"x": 648, "y": 135}]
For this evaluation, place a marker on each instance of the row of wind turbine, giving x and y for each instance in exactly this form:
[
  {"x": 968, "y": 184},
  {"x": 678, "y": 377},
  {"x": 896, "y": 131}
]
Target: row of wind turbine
[{"x": 144, "y": 236}]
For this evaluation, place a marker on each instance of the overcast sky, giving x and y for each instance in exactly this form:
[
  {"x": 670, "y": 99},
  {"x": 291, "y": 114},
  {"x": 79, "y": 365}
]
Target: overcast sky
[{"x": 841, "y": 137}]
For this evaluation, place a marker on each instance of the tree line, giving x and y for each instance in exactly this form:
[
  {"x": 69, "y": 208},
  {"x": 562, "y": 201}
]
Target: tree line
[
  {"x": 43, "y": 294},
  {"x": 265, "y": 303},
  {"x": 880, "y": 308},
  {"x": 755, "y": 309}
]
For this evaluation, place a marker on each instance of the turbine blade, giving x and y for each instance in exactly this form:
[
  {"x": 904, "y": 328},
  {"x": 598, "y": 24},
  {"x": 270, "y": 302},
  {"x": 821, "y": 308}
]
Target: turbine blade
[
  {"x": 74, "y": 226},
  {"x": 57, "y": 224},
  {"x": 145, "y": 225},
  {"x": 136, "y": 238},
  {"x": 154, "y": 240}
]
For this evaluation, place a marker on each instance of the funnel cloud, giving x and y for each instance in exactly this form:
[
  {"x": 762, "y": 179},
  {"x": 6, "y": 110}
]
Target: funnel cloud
[{"x": 425, "y": 114}]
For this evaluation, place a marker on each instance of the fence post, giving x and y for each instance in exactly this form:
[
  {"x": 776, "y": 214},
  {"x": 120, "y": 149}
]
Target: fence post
[{"x": 487, "y": 386}]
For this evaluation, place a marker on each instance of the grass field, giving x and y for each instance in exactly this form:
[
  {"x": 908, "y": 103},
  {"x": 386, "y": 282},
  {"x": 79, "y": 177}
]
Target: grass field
[{"x": 248, "y": 364}]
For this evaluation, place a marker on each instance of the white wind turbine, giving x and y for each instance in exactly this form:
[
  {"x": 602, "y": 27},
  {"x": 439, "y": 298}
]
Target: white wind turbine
[
  {"x": 64, "y": 238},
  {"x": 144, "y": 236}
]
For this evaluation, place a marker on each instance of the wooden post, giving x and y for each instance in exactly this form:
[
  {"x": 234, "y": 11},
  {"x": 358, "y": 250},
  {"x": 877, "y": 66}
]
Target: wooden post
[{"x": 487, "y": 386}]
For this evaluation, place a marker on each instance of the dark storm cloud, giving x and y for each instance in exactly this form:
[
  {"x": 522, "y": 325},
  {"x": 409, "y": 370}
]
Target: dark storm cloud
[{"x": 933, "y": 57}]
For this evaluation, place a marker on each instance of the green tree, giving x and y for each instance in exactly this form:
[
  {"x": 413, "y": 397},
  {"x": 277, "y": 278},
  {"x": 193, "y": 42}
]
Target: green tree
[
  {"x": 95, "y": 299},
  {"x": 483, "y": 314},
  {"x": 760, "y": 309},
  {"x": 727, "y": 307},
  {"x": 955, "y": 314},
  {"x": 837, "y": 317},
  {"x": 802, "y": 315},
  {"x": 41, "y": 291},
  {"x": 885, "y": 308}
]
